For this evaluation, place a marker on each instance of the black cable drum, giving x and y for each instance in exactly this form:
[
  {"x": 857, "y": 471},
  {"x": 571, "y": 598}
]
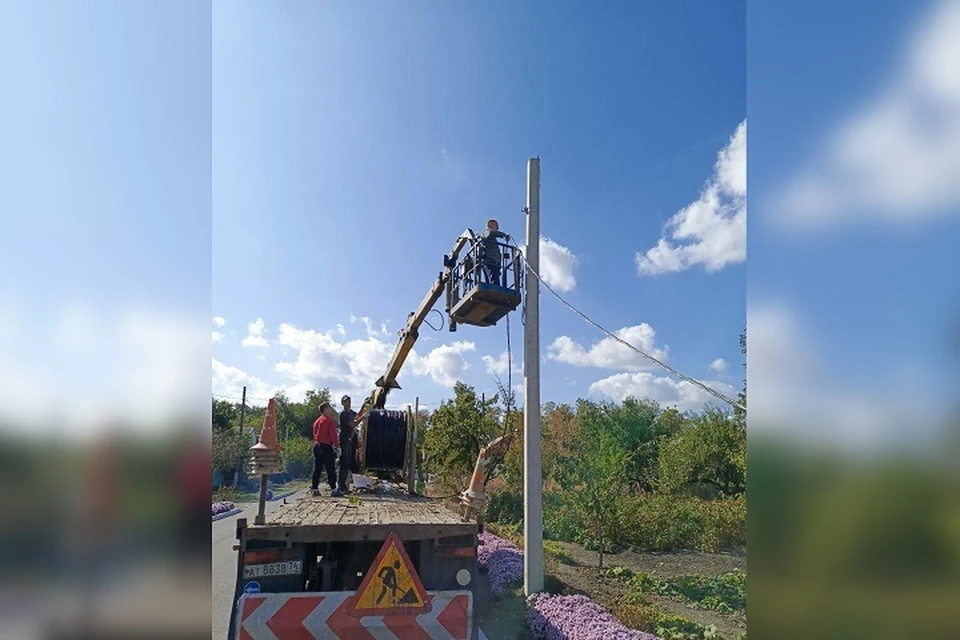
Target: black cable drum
[{"x": 386, "y": 439}]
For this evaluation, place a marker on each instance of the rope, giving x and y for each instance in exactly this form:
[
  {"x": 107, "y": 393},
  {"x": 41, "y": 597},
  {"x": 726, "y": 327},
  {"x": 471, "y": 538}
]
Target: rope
[{"x": 665, "y": 366}]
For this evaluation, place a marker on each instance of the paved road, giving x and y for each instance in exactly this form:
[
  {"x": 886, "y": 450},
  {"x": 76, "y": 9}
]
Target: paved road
[{"x": 225, "y": 564}]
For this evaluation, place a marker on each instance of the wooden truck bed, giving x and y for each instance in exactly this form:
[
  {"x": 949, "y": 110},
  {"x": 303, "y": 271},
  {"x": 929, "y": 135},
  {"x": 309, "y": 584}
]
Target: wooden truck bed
[{"x": 326, "y": 519}]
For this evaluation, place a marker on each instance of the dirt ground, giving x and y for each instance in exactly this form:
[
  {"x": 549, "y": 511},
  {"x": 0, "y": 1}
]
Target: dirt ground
[{"x": 584, "y": 577}]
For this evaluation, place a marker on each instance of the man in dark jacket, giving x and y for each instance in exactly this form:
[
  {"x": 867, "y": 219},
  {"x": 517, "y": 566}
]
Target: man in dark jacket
[
  {"x": 349, "y": 419},
  {"x": 490, "y": 251}
]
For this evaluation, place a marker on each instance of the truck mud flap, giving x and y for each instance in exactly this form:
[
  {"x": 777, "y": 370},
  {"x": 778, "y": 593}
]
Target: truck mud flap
[{"x": 288, "y": 616}]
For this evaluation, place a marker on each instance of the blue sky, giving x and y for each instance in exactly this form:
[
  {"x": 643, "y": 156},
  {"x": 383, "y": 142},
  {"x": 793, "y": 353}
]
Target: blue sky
[
  {"x": 351, "y": 147},
  {"x": 347, "y": 145},
  {"x": 105, "y": 190},
  {"x": 855, "y": 291}
]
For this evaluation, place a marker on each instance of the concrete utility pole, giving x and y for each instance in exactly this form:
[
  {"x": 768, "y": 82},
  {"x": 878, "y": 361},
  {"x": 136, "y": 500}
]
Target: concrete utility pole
[{"x": 532, "y": 482}]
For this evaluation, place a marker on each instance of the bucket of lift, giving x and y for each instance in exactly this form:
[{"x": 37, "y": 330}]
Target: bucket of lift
[{"x": 475, "y": 296}]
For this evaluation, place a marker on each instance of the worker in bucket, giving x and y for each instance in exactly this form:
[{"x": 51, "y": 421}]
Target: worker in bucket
[
  {"x": 349, "y": 419},
  {"x": 326, "y": 447},
  {"x": 490, "y": 255}
]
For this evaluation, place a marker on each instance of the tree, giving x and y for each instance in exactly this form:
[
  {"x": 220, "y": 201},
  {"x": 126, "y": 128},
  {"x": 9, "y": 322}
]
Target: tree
[
  {"x": 592, "y": 474},
  {"x": 710, "y": 452},
  {"x": 636, "y": 426},
  {"x": 559, "y": 428},
  {"x": 297, "y": 456},
  {"x": 226, "y": 451},
  {"x": 297, "y": 418},
  {"x": 224, "y": 413},
  {"x": 458, "y": 429},
  {"x": 511, "y": 420}
]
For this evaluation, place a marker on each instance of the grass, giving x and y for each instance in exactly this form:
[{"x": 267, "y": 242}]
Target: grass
[
  {"x": 557, "y": 552},
  {"x": 724, "y": 593},
  {"x": 514, "y": 533}
]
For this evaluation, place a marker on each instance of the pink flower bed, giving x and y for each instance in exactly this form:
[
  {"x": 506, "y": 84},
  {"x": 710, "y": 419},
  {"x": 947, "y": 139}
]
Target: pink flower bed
[
  {"x": 222, "y": 507},
  {"x": 575, "y": 618},
  {"x": 503, "y": 560}
]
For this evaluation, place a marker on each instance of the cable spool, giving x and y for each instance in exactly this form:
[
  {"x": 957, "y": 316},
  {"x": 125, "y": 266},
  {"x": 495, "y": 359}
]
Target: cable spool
[{"x": 386, "y": 440}]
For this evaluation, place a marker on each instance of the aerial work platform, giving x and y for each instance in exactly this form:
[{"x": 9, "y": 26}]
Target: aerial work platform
[{"x": 474, "y": 297}]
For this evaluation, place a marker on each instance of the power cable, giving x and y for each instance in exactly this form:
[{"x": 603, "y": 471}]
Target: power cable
[
  {"x": 665, "y": 366},
  {"x": 427, "y": 322}
]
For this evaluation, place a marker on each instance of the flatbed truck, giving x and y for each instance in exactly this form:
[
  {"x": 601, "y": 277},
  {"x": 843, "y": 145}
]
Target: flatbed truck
[{"x": 389, "y": 563}]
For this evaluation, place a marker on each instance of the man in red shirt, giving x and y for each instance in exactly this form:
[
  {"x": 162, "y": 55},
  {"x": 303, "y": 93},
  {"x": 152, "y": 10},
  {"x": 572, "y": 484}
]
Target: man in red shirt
[{"x": 326, "y": 446}]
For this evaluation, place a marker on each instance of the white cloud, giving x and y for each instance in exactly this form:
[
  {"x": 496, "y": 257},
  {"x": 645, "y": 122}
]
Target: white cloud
[
  {"x": 445, "y": 364},
  {"x": 324, "y": 361},
  {"x": 371, "y": 332},
  {"x": 499, "y": 365},
  {"x": 86, "y": 367},
  {"x": 229, "y": 381},
  {"x": 352, "y": 366},
  {"x": 610, "y": 354},
  {"x": 255, "y": 331},
  {"x": 218, "y": 322},
  {"x": 341, "y": 330},
  {"x": 897, "y": 157},
  {"x": 791, "y": 392},
  {"x": 714, "y": 227},
  {"x": 719, "y": 365},
  {"x": 557, "y": 264},
  {"x": 663, "y": 390}
]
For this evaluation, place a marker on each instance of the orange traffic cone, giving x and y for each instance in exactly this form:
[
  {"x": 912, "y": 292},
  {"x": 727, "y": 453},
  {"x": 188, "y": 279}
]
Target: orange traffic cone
[
  {"x": 266, "y": 453},
  {"x": 475, "y": 491},
  {"x": 268, "y": 435}
]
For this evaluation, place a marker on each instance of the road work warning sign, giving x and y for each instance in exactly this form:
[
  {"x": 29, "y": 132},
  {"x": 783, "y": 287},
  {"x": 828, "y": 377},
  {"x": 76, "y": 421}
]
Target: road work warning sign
[{"x": 391, "y": 586}]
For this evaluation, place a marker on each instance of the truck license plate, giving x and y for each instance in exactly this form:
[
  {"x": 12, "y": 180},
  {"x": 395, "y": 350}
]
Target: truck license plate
[{"x": 288, "y": 568}]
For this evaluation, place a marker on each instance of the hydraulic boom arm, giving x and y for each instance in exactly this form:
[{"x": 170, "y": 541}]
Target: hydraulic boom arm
[{"x": 410, "y": 333}]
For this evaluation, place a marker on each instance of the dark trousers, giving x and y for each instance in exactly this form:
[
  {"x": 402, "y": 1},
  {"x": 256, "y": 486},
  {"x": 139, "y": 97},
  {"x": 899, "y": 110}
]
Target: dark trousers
[
  {"x": 493, "y": 272},
  {"x": 346, "y": 458},
  {"x": 323, "y": 456}
]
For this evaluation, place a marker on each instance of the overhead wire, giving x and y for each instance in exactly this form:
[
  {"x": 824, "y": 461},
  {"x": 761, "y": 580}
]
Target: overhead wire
[{"x": 617, "y": 338}]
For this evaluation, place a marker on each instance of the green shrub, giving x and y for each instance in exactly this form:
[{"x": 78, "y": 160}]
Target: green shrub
[
  {"x": 667, "y": 523},
  {"x": 505, "y": 506},
  {"x": 560, "y": 522}
]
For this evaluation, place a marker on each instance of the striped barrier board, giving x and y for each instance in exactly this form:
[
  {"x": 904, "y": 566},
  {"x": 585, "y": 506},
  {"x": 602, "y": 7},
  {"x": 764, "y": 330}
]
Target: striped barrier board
[{"x": 314, "y": 616}]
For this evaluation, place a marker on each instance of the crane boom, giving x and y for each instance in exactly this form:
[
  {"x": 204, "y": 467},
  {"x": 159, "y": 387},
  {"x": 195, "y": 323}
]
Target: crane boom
[{"x": 410, "y": 332}]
